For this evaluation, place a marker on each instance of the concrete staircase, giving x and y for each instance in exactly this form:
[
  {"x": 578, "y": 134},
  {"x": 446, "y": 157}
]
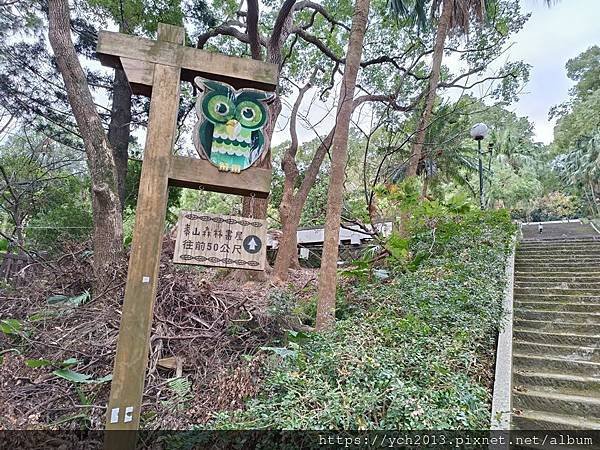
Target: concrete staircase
[{"x": 556, "y": 333}]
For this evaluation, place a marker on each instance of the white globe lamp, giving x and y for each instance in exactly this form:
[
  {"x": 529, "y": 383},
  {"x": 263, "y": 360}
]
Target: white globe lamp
[{"x": 479, "y": 131}]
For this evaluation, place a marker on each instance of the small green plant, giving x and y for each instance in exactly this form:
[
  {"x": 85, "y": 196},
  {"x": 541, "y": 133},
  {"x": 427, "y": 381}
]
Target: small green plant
[
  {"x": 11, "y": 326},
  {"x": 63, "y": 370},
  {"x": 281, "y": 303},
  {"x": 181, "y": 393},
  {"x": 66, "y": 301}
]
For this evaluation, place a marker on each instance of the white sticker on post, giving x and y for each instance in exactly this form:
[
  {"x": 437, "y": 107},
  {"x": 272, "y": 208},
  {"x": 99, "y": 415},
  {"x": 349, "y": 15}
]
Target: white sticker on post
[
  {"x": 145, "y": 279},
  {"x": 128, "y": 414},
  {"x": 114, "y": 415}
]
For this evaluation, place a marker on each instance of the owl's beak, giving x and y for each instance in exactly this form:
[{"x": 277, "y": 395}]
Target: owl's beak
[{"x": 233, "y": 127}]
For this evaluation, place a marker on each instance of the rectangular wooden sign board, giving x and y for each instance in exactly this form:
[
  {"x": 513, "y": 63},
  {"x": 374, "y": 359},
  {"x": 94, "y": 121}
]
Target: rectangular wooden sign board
[{"x": 221, "y": 241}]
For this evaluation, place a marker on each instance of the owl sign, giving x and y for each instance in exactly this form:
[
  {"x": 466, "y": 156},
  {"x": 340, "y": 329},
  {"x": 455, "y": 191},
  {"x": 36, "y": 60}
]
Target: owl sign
[{"x": 230, "y": 123}]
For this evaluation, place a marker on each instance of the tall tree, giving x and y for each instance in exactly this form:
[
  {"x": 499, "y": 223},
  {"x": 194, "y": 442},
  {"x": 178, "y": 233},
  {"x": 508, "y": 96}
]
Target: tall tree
[
  {"x": 455, "y": 14},
  {"x": 292, "y": 18},
  {"x": 339, "y": 157},
  {"x": 108, "y": 224}
]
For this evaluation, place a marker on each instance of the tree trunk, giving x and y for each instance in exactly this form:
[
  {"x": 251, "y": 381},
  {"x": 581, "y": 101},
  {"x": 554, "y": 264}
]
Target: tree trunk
[
  {"x": 424, "y": 188},
  {"x": 287, "y": 253},
  {"x": 257, "y": 207},
  {"x": 253, "y": 207},
  {"x": 339, "y": 151},
  {"x": 108, "y": 224},
  {"x": 119, "y": 129},
  {"x": 434, "y": 79},
  {"x": 288, "y": 243}
]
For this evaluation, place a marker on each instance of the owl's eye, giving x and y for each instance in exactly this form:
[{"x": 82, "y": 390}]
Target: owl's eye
[
  {"x": 221, "y": 108},
  {"x": 251, "y": 114},
  {"x": 218, "y": 108}
]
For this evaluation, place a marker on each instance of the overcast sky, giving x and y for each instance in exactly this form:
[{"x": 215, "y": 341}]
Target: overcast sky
[{"x": 548, "y": 40}]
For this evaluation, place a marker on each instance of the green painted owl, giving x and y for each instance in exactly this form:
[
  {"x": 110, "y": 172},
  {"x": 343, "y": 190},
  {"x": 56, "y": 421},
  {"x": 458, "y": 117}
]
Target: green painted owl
[{"x": 230, "y": 123}]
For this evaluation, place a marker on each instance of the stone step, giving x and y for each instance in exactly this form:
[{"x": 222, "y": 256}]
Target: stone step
[
  {"x": 553, "y": 402},
  {"x": 558, "y": 338},
  {"x": 585, "y": 299},
  {"x": 560, "y": 285},
  {"x": 524, "y": 290},
  {"x": 537, "y": 420},
  {"x": 553, "y": 266},
  {"x": 573, "y": 278},
  {"x": 541, "y": 256},
  {"x": 572, "y": 353},
  {"x": 586, "y": 252},
  {"x": 558, "y": 316},
  {"x": 561, "y": 239},
  {"x": 553, "y": 382},
  {"x": 552, "y": 364},
  {"x": 564, "y": 260},
  {"x": 558, "y": 245},
  {"x": 552, "y": 270},
  {"x": 561, "y": 327},
  {"x": 593, "y": 307}
]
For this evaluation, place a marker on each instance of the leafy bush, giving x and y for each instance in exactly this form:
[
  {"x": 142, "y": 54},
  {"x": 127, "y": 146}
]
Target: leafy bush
[
  {"x": 414, "y": 352},
  {"x": 553, "y": 206}
]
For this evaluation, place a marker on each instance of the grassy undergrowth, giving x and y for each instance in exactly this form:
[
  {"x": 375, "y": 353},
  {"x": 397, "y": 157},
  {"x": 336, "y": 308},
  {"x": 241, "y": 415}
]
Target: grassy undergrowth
[{"x": 414, "y": 351}]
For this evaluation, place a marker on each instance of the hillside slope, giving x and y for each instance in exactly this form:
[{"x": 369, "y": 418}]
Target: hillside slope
[{"x": 413, "y": 351}]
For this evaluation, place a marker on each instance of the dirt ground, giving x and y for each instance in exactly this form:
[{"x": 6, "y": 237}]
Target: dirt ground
[{"x": 207, "y": 330}]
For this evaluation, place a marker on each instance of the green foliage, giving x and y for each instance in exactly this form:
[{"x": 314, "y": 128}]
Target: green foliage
[
  {"x": 45, "y": 198},
  {"x": 313, "y": 212},
  {"x": 139, "y": 16},
  {"x": 36, "y": 363},
  {"x": 180, "y": 389},
  {"x": 577, "y": 132},
  {"x": 65, "y": 215},
  {"x": 10, "y": 326},
  {"x": 553, "y": 206},
  {"x": 211, "y": 202},
  {"x": 414, "y": 352},
  {"x": 64, "y": 300},
  {"x": 77, "y": 377},
  {"x": 132, "y": 182},
  {"x": 281, "y": 303},
  {"x": 585, "y": 70},
  {"x": 63, "y": 370}
]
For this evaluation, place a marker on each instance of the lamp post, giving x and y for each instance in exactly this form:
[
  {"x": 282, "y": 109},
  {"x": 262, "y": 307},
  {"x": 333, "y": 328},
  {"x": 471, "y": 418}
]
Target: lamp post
[{"x": 478, "y": 132}]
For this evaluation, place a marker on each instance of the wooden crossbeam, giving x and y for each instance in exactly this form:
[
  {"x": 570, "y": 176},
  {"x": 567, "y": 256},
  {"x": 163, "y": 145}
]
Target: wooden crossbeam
[
  {"x": 197, "y": 173},
  {"x": 239, "y": 72}
]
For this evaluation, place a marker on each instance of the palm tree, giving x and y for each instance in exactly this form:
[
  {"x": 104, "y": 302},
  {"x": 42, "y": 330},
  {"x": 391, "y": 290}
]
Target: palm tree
[{"x": 455, "y": 15}]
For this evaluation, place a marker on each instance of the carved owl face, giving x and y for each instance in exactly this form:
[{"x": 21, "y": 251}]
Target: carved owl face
[
  {"x": 229, "y": 131},
  {"x": 222, "y": 105}
]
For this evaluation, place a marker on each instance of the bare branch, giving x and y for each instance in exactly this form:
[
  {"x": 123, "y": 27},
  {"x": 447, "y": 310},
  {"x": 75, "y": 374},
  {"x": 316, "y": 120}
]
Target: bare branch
[
  {"x": 321, "y": 10},
  {"x": 475, "y": 83},
  {"x": 252, "y": 29},
  {"x": 318, "y": 43}
]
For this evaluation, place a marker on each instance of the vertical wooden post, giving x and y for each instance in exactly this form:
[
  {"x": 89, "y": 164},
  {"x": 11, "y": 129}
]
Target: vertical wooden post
[{"x": 131, "y": 360}]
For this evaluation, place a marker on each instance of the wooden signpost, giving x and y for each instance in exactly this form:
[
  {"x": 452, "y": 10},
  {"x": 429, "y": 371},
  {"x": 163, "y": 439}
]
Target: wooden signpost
[{"x": 156, "y": 68}]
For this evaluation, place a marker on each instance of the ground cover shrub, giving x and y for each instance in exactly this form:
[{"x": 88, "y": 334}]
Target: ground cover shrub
[{"x": 415, "y": 351}]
